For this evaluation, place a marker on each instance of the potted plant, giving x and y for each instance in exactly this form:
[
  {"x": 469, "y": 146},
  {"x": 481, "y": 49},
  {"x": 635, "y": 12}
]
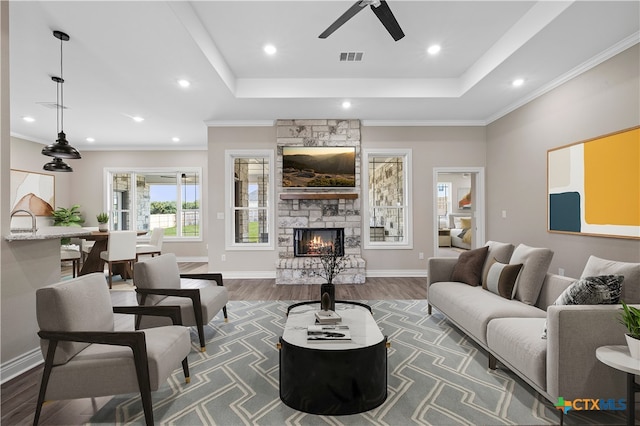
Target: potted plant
[
  {"x": 331, "y": 265},
  {"x": 103, "y": 219},
  {"x": 67, "y": 217},
  {"x": 630, "y": 318}
]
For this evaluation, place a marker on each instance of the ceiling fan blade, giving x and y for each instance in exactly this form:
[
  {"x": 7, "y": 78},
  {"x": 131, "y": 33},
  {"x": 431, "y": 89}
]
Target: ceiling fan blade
[
  {"x": 385, "y": 16},
  {"x": 350, "y": 13}
]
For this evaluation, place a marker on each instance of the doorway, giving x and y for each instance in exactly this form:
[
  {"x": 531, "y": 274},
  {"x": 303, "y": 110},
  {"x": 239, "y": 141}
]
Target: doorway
[{"x": 459, "y": 205}]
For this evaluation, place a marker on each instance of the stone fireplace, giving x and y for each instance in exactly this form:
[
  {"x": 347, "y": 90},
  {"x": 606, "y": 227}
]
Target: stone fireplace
[
  {"x": 313, "y": 242},
  {"x": 322, "y": 209}
]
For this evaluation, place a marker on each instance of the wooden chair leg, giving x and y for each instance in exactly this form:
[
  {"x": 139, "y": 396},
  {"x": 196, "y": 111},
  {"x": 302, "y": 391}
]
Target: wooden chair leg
[
  {"x": 185, "y": 369},
  {"x": 492, "y": 362},
  {"x": 46, "y": 373},
  {"x": 110, "y": 275}
]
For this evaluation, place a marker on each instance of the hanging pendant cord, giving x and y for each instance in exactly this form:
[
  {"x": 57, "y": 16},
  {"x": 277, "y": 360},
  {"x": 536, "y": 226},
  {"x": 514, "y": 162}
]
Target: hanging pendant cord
[{"x": 61, "y": 91}]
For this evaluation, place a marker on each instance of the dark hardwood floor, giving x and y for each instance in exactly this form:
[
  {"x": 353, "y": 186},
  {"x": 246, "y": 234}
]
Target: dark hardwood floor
[{"x": 18, "y": 396}]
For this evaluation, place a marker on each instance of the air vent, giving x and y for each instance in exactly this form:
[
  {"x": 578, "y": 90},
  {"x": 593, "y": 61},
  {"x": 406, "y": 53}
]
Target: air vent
[{"x": 351, "y": 56}]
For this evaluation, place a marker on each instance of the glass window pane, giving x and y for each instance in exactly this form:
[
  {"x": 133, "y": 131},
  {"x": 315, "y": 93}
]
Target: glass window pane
[
  {"x": 190, "y": 216},
  {"x": 121, "y": 202},
  {"x": 251, "y": 199},
  {"x": 157, "y": 201},
  {"x": 386, "y": 181}
]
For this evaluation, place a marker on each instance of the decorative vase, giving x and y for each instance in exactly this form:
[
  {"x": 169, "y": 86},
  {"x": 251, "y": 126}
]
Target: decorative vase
[
  {"x": 103, "y": 227},
  {"x": 634, "y": 346},
  {"x": 330, "y": 289}
]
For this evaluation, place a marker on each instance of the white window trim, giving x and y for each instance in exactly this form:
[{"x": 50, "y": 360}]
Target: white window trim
[
  {"x": 107, "y": 185},
  {"x": 407, "y": 242},
  {"x": 229, "y": 156}
]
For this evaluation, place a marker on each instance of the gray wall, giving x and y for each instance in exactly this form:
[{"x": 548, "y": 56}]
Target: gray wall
[{"x": 604, "y": 99}]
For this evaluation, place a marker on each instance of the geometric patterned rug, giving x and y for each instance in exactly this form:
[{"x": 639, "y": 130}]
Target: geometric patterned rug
[{"x": 436, "y": 377}]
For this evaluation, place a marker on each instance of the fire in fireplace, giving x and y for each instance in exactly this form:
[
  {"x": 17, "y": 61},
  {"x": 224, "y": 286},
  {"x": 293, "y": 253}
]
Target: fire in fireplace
[{"x": 315, "y": 241}]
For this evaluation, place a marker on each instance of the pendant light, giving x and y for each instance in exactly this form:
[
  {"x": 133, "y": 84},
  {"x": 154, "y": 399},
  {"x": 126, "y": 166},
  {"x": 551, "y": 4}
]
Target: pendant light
[{"x": 61, "y": 148}]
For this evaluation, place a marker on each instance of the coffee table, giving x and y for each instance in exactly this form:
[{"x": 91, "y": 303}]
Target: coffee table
[{"x": 333, "y": 378}]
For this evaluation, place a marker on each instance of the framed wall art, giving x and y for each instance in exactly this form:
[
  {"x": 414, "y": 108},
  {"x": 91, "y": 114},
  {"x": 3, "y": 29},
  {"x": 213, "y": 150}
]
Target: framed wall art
[
  {"x": 593, "y": 186},
  {"x": 32, "y": 191}
]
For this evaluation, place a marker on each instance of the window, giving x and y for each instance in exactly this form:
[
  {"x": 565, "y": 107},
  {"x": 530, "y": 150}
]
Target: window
[
  {"x": 166, "y": 198},
  {"x": 250, "y": 199},
  {"x": 387, "y": 190},
  {"x": 444, "y": 204}
]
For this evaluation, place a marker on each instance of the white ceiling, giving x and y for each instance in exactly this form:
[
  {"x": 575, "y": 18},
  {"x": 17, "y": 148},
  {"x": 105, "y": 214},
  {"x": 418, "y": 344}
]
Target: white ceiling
[{"x": 124, "y": 59}]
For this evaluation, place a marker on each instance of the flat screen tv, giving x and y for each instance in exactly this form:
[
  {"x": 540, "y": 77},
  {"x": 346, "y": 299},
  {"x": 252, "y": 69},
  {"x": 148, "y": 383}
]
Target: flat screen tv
[{"x": 318, "y": 167}]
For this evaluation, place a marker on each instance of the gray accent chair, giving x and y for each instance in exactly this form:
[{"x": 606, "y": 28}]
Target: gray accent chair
[
  {"x": 86, "y": 358},
  {"x": 159, "y": 283}
]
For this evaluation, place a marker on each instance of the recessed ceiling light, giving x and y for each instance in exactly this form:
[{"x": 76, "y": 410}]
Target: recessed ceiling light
[
  {"x": 175, "y": 139},
  {"x": 270, "y": 49},
  {"x": 28, "y": 119},
  {"x": 433, "y": 50},
  {"x": 184, "y": 83},
  {"x": 518, "y": 82},
  {"x": 346, "y": 105},
  {"x": 137, "y": 119},
  {"x": 90, "y": 140}
]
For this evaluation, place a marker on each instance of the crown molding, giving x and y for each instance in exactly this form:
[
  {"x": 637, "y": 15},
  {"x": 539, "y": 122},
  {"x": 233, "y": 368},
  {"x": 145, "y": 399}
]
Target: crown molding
[
  {"x": 240, "y": 123},
  {"x": 422, "y": 123}
]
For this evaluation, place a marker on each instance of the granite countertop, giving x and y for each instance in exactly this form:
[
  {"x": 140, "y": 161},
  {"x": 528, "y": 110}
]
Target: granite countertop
[{"x": 47, "y": 233}]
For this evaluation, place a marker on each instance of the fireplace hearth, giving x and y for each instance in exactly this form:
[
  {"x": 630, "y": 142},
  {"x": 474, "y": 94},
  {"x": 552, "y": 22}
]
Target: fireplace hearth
[{"x": 310, "y": 242}]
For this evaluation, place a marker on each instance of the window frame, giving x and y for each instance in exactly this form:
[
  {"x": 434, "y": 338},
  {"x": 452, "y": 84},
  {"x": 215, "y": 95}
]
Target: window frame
[
  {"x": 134, "y": 171},
  {"x": 229, "y": 156},
  {"x": 407, "y": 241}
]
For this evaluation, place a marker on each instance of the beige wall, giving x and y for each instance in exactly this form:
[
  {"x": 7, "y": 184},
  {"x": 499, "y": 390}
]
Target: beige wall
[{"x": 602, "y": 100}]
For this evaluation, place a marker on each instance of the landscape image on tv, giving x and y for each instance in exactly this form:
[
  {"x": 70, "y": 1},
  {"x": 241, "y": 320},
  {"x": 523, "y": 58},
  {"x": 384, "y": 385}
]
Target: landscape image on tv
[{"x": 318, "y": 167}]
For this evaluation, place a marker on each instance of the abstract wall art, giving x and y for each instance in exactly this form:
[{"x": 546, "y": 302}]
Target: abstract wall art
[
  {"x": 32, "y": 191},
  {"x": 593, "y": 186}
]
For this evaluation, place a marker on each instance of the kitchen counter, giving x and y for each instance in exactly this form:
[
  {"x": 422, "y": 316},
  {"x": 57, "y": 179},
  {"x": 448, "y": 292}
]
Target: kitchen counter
[{"x": 47, "y": 233}]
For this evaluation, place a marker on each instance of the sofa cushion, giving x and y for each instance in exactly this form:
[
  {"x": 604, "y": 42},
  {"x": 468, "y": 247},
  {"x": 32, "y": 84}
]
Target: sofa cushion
[
  {"x": 498, "y": 251},
  {"x": 517, "y": 341},
  {"x": 471, "y": 308},
  {"x": 468, "y": 269},
  {"x": 630, "y": 271},
  {"x": 535, "y": 263},
  {"x": 600, "y": 290},
  {"x": 501, "y": 278}
]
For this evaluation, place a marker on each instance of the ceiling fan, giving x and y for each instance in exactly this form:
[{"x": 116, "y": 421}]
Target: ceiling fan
[{"x": 379, "y": 7}]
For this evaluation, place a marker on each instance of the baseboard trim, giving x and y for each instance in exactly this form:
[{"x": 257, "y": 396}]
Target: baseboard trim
[
  {"x": 20, "y": 364},
  {"x": 247, "y": 275},
  {"x": 400, "y": 273},
  {"x": 193, "y": 259}
]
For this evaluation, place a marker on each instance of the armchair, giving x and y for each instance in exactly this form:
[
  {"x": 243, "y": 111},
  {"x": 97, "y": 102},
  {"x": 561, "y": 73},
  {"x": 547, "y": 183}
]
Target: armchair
[
  {"x": 85, "y": 357},
  {"x": 159, "y": 283}
]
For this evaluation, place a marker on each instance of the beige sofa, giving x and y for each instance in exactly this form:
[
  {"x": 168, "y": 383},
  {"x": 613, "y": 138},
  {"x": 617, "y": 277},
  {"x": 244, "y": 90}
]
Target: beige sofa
[{"x": 563, "y": 364}]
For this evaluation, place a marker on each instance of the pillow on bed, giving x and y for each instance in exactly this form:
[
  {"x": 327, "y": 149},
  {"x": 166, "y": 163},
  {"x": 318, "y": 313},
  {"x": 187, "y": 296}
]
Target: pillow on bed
[{"x": 465, "y": 222}]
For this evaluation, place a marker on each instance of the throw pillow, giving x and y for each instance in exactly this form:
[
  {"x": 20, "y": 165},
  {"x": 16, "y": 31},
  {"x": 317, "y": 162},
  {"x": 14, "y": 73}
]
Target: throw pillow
[
  {"x": 466, "y": 238},
  {"x": 465, "y": 222},
  {"x": 536, "y": 263},
  {"x": 631, "y": 271},
  {"x": 600, "y": 290},
  {"x": 498, "y": 251},
  {"x": 501, "y": 279},
  {"x": 468, "y": 269}
]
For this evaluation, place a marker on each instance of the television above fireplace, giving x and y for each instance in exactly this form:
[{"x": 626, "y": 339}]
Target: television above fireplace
[{"x": 318, "y": 167}]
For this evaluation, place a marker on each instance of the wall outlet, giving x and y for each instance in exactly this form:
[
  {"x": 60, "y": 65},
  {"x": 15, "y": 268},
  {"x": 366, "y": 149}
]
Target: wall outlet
[
  {"x": 421, "y": 256},
  {"x": 561, "y": 271},
  {"x": 220, "y": 215},
  {"x": 504, "y": 214},
  {"x": 223, "y": 257}
]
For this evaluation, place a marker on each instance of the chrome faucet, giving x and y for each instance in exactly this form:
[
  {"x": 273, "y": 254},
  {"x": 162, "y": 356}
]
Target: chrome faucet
[{"x": 33, "y": 218}]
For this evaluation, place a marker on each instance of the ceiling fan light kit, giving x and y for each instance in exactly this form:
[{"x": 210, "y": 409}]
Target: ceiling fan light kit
[
  {"x": 60, "y": 148},
  {"x": 381, "y": 10}
]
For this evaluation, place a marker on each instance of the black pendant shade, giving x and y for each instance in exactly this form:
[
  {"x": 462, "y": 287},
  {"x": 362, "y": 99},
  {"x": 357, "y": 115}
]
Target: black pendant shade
[
  {"x": 57, "y": 165},
  {"x": 61, "y": 148}
]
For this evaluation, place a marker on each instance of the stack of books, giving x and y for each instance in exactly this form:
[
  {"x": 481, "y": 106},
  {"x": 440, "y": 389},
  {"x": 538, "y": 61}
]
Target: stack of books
[
  {"x": 328, "y": 333},
  {"x": 327, "y": 317}
]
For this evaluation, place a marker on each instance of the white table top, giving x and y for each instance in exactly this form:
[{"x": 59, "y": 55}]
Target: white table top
[
  {"x": 619, "y": 358},
  {"x": 363, "y": 328}
]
